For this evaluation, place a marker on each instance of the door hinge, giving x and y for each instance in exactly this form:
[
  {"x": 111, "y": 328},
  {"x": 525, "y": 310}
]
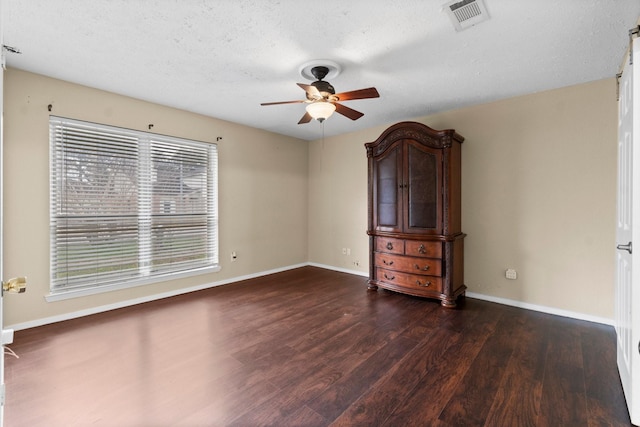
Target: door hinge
[
  {"x": 632, "y": 32},
  {"x": 2, "y": 393},
  {"x": 618, "y": 77}
]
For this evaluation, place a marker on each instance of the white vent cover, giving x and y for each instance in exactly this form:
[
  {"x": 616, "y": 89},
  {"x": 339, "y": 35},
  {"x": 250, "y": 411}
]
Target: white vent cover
[{"x": 466, "y": 13}]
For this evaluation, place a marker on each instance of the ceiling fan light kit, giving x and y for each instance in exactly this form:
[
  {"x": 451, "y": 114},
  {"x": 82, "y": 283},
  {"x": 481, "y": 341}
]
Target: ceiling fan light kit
[
  {"x": 322, "y": 98},
  {"x": 321, "y": 110}
]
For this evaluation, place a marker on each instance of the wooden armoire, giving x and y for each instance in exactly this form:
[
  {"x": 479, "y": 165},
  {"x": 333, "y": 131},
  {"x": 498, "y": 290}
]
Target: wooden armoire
[{"x": 415, "y": 236}]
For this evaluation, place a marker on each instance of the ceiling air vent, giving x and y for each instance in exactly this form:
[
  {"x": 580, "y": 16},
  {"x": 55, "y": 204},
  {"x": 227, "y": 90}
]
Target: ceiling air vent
[{"x": 466, "y": 13}]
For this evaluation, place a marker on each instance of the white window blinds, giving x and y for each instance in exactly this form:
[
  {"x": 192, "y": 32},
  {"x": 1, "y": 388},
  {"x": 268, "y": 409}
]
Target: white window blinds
[{"x": 128, "y": 207}]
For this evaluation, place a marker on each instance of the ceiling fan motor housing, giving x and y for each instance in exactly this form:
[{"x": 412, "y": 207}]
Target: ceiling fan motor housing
[
  {"x": 324, "y": 88},
  {"x": 320, "y": 72}
]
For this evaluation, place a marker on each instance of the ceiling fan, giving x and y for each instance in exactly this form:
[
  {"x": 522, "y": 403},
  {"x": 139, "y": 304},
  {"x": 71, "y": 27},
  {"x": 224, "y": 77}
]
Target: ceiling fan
[{"x": 322, "y": 98}]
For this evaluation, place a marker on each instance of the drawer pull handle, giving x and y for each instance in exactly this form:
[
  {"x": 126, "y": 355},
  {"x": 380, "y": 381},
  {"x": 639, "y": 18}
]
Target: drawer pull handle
[
  {"x": 389, "y": 245},
  {"x": 426, "y": 284},
  {"x": 426, "y": 267},
  {"x": 389, "y": 278},
  {"x": 387, "y": 262},
  {"x": 422, "y": 249}
]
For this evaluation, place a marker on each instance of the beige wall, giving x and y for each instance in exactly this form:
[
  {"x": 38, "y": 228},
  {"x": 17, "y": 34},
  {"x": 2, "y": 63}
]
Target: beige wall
[
  {"x": 262, "y": 186},
  {"x": 538, "y": 194},
  {"x": 539, "y": 182}
]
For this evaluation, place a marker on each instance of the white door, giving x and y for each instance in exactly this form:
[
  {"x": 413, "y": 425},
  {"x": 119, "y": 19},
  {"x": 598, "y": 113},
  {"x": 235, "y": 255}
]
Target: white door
[
  {"x": 2, "y": 52},
  {"x": 627, "y": 310}
]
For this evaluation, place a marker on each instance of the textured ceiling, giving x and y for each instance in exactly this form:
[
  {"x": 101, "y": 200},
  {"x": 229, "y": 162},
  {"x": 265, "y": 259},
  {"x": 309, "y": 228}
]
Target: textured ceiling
[{"x": 223, "y": 58}]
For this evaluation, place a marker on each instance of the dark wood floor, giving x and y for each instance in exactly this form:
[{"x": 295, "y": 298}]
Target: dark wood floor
[{"x": 311, "y": 347}]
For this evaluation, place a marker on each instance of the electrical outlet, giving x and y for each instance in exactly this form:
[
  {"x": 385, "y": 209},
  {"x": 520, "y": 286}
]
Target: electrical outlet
[
  {"x": 511, "y": 274},
  {"x": 356, "y": 263},
  {"x": 344, "y": 251},
  {"x": 234, "y": 256},
  {"x": 348, "y": 251}
]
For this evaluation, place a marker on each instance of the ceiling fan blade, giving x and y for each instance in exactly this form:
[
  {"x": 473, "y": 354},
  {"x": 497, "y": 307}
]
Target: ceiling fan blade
[
  {"x": 305, "y": 119},
  {"x": 348, "y": 112},
  {"x": 282, "y": 102},
  {"x": 311, "y": 90},
  {"x": 369, "y": 92}
]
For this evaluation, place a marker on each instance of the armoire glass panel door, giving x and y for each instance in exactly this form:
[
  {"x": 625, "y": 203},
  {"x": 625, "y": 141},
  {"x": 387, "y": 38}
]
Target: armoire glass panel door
[
  {"x": 388, "y": 187},
  {"x": 424, "y": 189}
]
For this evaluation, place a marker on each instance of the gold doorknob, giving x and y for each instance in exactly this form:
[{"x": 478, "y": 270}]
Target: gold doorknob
[{"x": 16, "y": 285}]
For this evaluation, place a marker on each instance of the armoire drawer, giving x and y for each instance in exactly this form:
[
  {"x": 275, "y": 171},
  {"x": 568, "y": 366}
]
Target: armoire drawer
[
  {"x": 407, "y": 264},
  {"x": 423, "y": 248},
  {"x": 389, "y": 245},
  {"x": 412, "y": 281}
]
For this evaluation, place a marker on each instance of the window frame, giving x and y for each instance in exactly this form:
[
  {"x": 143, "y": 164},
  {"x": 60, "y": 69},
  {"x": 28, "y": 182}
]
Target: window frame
[{"x": 142, "y": 274}]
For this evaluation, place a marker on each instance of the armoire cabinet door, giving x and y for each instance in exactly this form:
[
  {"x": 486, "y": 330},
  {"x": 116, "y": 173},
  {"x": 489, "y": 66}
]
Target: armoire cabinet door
[
  {"x": 422, "y": 189},
  {"x": 388, "y": 190}
]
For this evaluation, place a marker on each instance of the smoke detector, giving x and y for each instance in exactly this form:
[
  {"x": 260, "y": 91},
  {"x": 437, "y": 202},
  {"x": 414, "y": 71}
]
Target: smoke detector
[{"x": 466, "y": 13}]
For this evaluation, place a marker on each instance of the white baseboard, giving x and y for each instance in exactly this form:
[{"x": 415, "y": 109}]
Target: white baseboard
[
  {"x": 503, "y": 301},
  {"x": 542, "y": 309},
  {"x": 127, "y": 303},
  {"x": 342, "y": 270}
]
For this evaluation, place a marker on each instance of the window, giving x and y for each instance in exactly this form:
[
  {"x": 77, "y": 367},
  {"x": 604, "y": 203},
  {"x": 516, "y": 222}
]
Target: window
[{"x": 128, "y": 207}]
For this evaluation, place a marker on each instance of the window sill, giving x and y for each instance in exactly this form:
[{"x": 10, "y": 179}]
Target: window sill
[{"x": 64, "y": 295}]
